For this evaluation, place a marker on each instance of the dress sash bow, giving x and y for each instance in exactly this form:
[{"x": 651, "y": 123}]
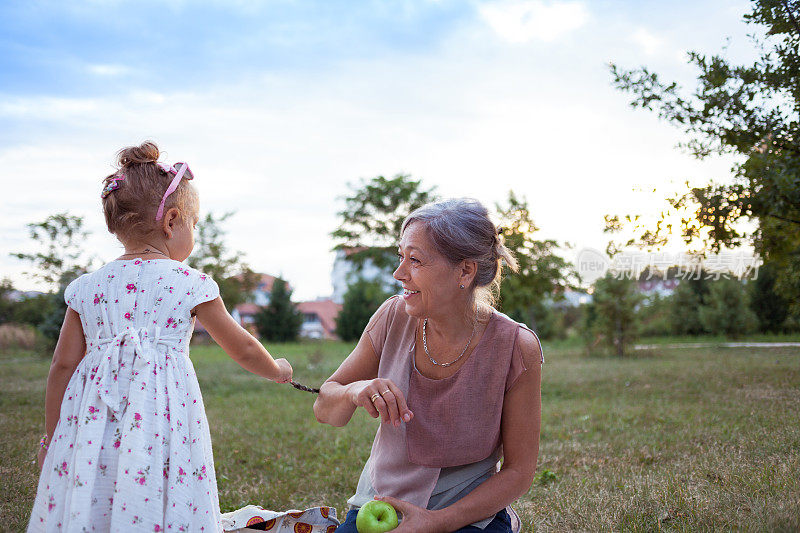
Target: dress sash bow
[{"x": 123, "y": 357}]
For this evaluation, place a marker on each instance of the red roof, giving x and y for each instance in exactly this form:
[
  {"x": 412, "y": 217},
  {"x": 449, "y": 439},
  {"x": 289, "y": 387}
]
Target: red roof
[
  {"x": 247, "y": 309},
  {"x": 264, "y": 282},
  {"x": 350, "y": 250},
  {"x": 326, "y": 310}
]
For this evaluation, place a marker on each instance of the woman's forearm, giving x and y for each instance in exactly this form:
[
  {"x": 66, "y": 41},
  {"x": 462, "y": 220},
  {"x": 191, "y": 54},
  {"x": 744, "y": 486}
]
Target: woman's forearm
[
  {"x": 334, "y": 405},
  {"x": 489, "y": 498}
]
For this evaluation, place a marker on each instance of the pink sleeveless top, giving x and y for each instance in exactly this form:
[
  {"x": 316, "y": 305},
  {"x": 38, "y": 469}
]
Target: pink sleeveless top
[{"x": 456, "y": 419}]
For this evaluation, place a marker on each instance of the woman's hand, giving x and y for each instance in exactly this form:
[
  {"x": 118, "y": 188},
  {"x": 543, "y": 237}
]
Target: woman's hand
[
  {"x": 415, "y": 519},
  {"x": 381, "y": 397}
]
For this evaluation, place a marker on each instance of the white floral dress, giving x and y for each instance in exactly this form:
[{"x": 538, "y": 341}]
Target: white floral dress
[{"x": 132, "y": 450}]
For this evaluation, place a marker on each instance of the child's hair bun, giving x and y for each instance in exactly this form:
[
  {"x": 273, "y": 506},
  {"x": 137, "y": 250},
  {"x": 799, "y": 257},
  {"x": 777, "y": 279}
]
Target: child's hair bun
[{"x": 147, "y": 152}]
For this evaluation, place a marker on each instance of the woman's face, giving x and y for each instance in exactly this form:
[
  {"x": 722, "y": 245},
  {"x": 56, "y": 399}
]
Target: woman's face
[{"x": 430, "y": 282}]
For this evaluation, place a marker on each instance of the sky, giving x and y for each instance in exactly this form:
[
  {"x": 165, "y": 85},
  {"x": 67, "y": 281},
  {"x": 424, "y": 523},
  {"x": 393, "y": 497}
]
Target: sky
[{"x": 281, "y": 106}]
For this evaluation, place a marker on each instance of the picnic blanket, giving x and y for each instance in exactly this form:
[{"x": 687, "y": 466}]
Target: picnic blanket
[
  {"x": 314, "y": 520},
  {"x": 253, "y": 517}
]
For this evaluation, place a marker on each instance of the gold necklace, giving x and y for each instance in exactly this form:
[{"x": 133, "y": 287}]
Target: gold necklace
[
  {"x": 146, "y": 251},
  {"x": 425, "y": 343}
]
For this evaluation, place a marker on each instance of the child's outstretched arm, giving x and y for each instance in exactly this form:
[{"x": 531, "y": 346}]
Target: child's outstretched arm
[
  {"x": 239, "y": 344},
  {"x": 70, "y": 350}
]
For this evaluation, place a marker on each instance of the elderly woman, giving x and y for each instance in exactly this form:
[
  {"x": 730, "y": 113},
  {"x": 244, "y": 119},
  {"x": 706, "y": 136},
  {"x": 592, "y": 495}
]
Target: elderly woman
[{"x": 455, "y": 383}]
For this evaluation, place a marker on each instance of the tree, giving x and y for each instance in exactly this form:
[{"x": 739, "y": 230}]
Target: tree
[
  {"x": 749, "y": 110},
  {"x": 61, "y": 259},
  {"x": 373, "y": 216},
  {"x": 210, "y": 255},
  {"x": 6, "y": 303},
  {"x": 543, "y": 275},
  {"x": 685, "y": 303},
  {"x": 769, "y": 306},
  {"x": 612, "y": 313},
  {"x": 726, "y": 311},
  {"x": 279, "y": 321},
  {"x": 362, "y": 299},
  {"x": 39, "y": 310},
  {"x": 654, "y": 316}
]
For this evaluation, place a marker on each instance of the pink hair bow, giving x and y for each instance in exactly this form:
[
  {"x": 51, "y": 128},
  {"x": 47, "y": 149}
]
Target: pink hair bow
[{"x": 180, "y": 170}]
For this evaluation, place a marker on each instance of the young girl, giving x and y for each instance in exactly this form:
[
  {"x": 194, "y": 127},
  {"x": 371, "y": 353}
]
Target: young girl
[{"x": 127, "y": 445}]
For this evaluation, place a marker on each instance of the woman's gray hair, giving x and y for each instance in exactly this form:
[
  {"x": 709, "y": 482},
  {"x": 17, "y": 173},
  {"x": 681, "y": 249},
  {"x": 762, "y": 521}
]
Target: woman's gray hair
[{"x": 461, "y": 229}]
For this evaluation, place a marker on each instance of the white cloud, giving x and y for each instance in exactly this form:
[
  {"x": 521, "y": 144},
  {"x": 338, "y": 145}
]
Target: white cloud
[
  {"x": 472, "y": 118},
  {"x": 647, "y": 41},
  {"x": 47, "y": 107},
  {"x": 108, "y": 70},
  {"x": 522, "y": 21}
]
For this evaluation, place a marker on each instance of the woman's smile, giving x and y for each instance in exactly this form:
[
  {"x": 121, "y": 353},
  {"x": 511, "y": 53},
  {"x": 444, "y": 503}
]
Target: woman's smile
[{"x": 408, "y": 293}]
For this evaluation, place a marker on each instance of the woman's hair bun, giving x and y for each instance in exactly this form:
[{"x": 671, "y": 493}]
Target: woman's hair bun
[{"x": 147, "y": 152}]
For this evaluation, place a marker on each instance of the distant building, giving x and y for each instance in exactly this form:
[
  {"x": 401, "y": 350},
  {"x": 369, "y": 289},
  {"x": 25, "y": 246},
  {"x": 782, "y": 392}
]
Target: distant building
[
  {"x": 319, "y": 318},
  {"x": 17, "y": 296},
  {"x": 344, "y": 271},
  {"x": 261, "y": 294},
  {"x": 657, "y": 285},
  {"x": 245, "y": 313},
  {"x": 574, "y": 298}
]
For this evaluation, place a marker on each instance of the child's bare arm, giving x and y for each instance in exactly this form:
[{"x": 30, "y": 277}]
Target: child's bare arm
[
  {"x": 239, "y": 344},
  {"x": 70, "y": 350}
]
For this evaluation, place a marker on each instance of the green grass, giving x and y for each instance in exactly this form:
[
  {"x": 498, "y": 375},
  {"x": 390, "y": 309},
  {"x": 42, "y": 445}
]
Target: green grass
[{"x": 672, "y": 439}]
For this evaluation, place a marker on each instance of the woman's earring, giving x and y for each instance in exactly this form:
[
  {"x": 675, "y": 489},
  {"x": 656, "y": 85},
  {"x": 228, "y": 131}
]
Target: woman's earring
[{"x": 462, "y": 286}]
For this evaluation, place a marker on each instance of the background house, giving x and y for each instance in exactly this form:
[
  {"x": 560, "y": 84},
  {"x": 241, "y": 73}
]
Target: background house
[
  {"x": 319, "y": 318},
  {"x": 344, "y": 272}
]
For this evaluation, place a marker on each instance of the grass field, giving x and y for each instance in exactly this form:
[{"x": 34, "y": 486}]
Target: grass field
[{"x": 673, "y": 439}]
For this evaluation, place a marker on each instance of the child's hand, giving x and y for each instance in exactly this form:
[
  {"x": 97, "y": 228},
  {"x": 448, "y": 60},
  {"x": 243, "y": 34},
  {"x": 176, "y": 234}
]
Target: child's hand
[
  {"x": 40, "y": 457},
  {"x": 285, "y": 375}
]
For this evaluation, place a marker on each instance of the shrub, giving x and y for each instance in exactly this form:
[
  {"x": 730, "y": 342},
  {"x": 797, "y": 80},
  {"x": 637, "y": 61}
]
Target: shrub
[
  {"x": 727, "y": 311},
  {"x": 612, "y": 319},
  {"x": 770, "y": 307},
  {"x": 654, "y": 315},
  {"x": 684, "y": 307},
  {"x": 17, "y": 337}
]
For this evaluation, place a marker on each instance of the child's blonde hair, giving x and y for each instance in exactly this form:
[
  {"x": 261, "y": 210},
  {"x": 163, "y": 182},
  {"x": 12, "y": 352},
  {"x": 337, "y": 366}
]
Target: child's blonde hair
[{"x": 133, "y": 193}]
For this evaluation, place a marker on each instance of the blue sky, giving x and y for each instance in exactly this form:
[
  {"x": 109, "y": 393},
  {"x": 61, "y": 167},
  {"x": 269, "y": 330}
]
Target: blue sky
[{"x": 278, "y": 105}]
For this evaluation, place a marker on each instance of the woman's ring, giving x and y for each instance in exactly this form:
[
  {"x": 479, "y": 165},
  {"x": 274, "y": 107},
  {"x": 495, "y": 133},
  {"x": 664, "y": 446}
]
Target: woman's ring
[
  {"x": 374, "y": 396},
  {"x": 387, "y": 390}
]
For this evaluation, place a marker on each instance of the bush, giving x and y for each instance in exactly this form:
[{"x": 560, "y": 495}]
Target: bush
[
  {"x": 542, "y": 318},
  {"x": 362, "y": 299},
  {"x": 17, "y": 337},
  {"x": 654, "y": 315},
  {"x": 685, "y": 304},
  {"x": 611, "y": 319},
  {"x": 38, "y": 309},
  {"x": 555, "y": 321},
  {"x": 43, "y": 312},
  {"x": 727, "y": 311},
  {"x": 770, "y": 307}
]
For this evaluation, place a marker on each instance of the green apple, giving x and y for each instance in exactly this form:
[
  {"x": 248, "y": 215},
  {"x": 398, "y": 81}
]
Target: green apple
[{"x": 376, "y": 517}]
